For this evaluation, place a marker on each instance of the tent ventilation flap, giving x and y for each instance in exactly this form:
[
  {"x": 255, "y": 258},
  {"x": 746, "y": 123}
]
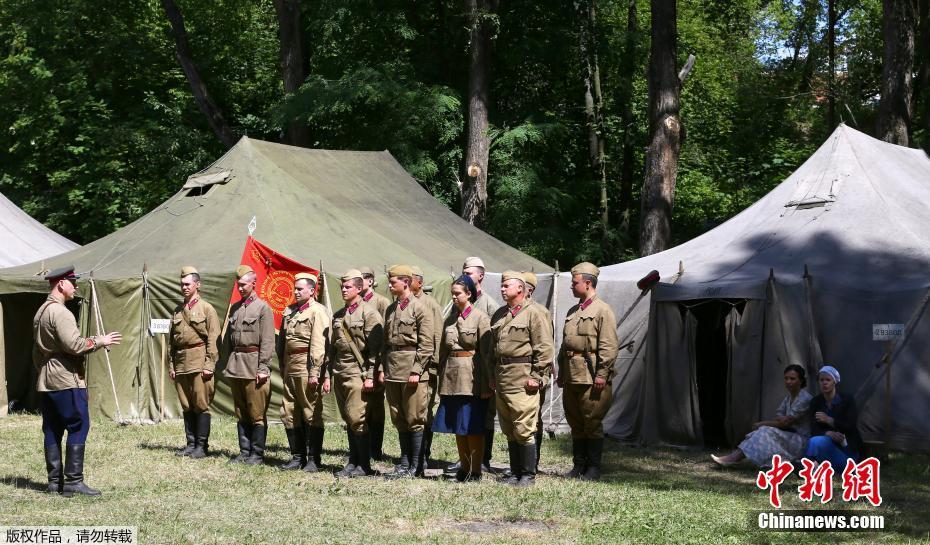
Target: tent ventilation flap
[{"x": 203, "y": 181}]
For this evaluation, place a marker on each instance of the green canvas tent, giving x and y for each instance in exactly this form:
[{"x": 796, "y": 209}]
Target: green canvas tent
[{"x": 338, "y": 209}]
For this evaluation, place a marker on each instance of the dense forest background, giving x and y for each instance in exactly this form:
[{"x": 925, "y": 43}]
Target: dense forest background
[{"x": 99, "y": 124}]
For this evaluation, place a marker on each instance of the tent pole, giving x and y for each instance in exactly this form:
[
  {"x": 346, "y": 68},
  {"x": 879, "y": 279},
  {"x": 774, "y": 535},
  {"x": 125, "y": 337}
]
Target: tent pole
[
  {"x": 326, "y": 300},
  {"x": 554, "y": 297},
  {"x": 106, "y": 353}
]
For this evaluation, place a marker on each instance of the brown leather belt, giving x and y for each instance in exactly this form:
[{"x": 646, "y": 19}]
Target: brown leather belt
[
  {"x": 572, "y": 354},
  {"x": 403, "y": 348},
  {"x": 247, "y": 349},
  {"x": 461, "y": 353},
  {"x": 198, "y": 345},
  {"x": 523, "y": 359},
  {"x": 302, "y": 350}
]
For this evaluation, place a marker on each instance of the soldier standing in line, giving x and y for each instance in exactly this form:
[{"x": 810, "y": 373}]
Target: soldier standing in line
[
  {"x": 474, "y": 267},
  {"x": 58, "y": 355},
  {"x": 250, "y": 345},
  {"x": 586, "y": 367},
  {"x": 195, "y": 329},
  {"x": 522, "y": 346},
  {"x": 302, "y": 346},
  {"x": 406, "y": 355},
  {"x": 357, "y": 332},
  {"x": 531, "y": 282},
  {"x": 416, "y": 286},
  {"x": 375, "y": 414}
]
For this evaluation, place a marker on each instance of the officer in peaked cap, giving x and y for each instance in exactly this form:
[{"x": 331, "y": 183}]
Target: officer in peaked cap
[{"x": 58, "y": 354}]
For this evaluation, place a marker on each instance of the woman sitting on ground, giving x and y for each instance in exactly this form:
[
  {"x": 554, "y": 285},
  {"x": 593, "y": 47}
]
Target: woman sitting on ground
[
  {"x": 834, "y": 433},
  {"x": 785, "y": 435}
]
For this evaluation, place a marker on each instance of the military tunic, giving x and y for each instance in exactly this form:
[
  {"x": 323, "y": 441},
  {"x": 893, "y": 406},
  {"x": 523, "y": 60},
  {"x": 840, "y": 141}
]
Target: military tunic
[
  {"x": 250, "y": 344},
  {"x": 376, "y": 397},
  {"x": 522, "y": 345},
  {"x": 408, "y": 350},
  {"x": 302, "y": 347},
  {"x": 361, "y": 326},
  {"x": 432, "y": 384},
  {"x": 489, "y": 306},
  {"x": 466, "y": 354},
  {"x": 195, "y": 329},
  {"x": 589, "y": 348}
]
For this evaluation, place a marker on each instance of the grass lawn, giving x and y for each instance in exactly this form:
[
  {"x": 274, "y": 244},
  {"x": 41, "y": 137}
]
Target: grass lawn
[{"x": 648, "y": 495}]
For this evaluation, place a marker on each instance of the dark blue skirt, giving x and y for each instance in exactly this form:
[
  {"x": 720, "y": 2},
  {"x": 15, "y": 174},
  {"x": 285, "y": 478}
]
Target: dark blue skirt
[{"x": 461, "y": 415}]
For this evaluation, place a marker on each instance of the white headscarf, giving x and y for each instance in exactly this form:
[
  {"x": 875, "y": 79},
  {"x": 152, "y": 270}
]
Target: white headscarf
[{"x": 830, "y": 370}]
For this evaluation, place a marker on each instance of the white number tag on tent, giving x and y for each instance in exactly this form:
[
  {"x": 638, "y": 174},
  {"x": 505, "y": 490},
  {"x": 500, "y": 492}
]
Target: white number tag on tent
[
  {"x": 160, "y": 325},
  {"x": 887, "y": 332}
]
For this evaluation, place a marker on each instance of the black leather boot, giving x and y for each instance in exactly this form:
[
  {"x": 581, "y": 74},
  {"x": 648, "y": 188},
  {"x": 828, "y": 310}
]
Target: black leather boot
[
  {"x": 317, "y": 436},
  {"x": 259, "y": 435},
  {"x": 245, "y": 443},
  {"x": 539, "y": 441},
  {"x": 74, "y": 473},
  {"x": 417, "y": 461},
  {"x": 595, "y": 452},
  {"x": 349, "y": 468},
  {"x": 376, "y": 430},
  {"x": 363, "y": 455},
  {"x": 514, "y": 455},
  {"x": 190, "y": 434},
  {"x": 297, "y": 444},
  {"x": 527, "y": 465},
  {"x": 488, "y": 450},
  {"x": 427, "y": 451},
  {"x": 579, "y": 459},
  {"x": 311, "y": 465},
  {"x": 403, "y": 466},
  {"x": 53, "y": 467},
  {"x": 202, "y": 444}
]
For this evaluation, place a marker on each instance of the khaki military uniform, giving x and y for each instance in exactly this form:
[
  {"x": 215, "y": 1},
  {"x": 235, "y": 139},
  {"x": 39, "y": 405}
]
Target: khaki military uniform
[
  {"x": 485, "y": 304},
  {"x": 195, "y": 329},
  {"x": 489, "y": 306},
  {"x": 408, "y": 350},
  {"x": 376, "y": 397},
  {"x": 361, "y": 326},
  {"x": 433, "y": 382},
  {"x": 250, "y": 344},
  {"x": 589, "y": 348},
  {"x": 465, "y": 354},
  {"x": 302, "y": 347},
  {"x": 58, "y": 352},
  {"x": 522, "y": 351}
]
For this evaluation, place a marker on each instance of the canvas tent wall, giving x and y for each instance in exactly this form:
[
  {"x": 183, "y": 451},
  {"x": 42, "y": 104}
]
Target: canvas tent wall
[
  {"x": 342, "y": 208},
  {"x": 855, "y": 215}
]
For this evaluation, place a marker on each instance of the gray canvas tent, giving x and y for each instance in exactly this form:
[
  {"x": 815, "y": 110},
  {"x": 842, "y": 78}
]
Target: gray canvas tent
[
  {"x": 712, "y": 339},
  {"x": 340, "y": 208},
  {"x": 25, "y": 240}
]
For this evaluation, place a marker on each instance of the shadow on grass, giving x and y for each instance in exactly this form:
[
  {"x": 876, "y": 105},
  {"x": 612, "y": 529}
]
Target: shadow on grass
[{"x": 24, "y": 483}]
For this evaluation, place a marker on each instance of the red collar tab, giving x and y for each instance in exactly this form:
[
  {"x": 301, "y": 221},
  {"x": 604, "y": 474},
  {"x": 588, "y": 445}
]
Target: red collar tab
[
  {"x": 191, "y": 304},
  {"x": 352, "y": 308},
  {"x": 586, "y": 304},
  {"x": 367, "y": 297},
  {"x": 404, "y": 303},
  {"x": 515, "y": 310},
  {"x": 466, "y": 312},
  {"x": 249, "y": 300},
  {"x": 303, "y": 307}
]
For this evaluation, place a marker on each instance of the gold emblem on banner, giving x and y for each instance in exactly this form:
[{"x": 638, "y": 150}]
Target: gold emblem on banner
[{"x": 278, "y": 290}]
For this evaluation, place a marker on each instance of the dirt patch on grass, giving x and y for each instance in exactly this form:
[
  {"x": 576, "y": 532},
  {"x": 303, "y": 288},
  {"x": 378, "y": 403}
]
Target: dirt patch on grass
[{"x": 502, "y": 526}]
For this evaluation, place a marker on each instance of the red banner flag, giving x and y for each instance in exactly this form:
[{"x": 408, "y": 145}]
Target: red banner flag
[{"x": 274, "y": 273}]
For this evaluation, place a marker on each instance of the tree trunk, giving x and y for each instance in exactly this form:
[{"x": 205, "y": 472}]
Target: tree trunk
[
  {"x": 899, "y": 20},
  {"x": 474, "y": 191},
  {"x": 831, "y": 65},
  {"x": 293, "y": 72},
  {"x": 201, "y": 94},
  {"x": 924, "y": 68},
  {"x": 593, "y": 107},
  {"x": 665, "y": 130},
  {"x": 626, "y": 85}
]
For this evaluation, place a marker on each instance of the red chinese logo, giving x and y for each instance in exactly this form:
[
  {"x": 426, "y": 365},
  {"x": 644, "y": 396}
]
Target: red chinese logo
[
  {"x": 773, "y": 478},
  {"x": 817, "y": 482},
  {"x": 861, "y": 481}
]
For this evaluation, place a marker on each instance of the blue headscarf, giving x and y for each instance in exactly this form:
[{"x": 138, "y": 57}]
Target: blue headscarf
[
  {"x": 469, "y": 285},
  {"x": 830, "y": 370}
]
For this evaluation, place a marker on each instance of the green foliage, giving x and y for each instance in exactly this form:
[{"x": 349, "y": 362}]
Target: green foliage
[{"x": 99, "y": 124}]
